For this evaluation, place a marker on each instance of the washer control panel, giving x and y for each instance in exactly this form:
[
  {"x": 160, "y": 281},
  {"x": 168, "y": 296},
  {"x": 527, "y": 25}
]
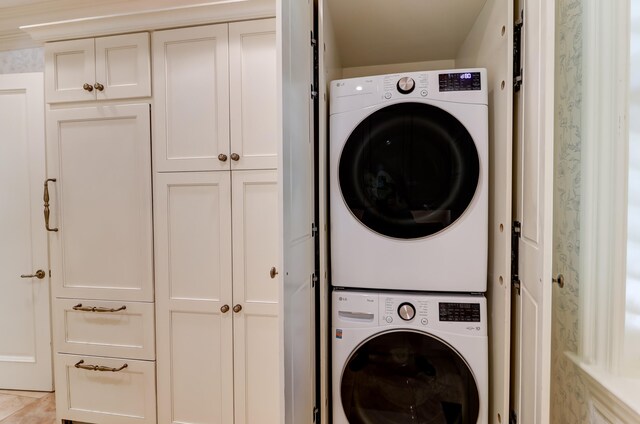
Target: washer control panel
[{"x": 456, "y": 313}]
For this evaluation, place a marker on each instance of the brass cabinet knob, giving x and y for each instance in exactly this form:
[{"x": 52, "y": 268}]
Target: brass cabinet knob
[
  {"x": 224, "y": 309},
  {"x": 235, "y": 157},
  {"x": 88, "y": 87},
  {"x": 237, "y": 308},
  {"x": 98, "y": 86},
  {"x": 40, "y": 274},
  {"x": 222, "y": 157},
  {"x": 273, "y": 272}
]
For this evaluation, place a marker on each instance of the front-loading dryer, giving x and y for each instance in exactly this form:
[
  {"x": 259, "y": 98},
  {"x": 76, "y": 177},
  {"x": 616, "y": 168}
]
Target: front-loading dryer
[
  {"x": 409, "y": 181},
  {"x": 409, "y": 358}
]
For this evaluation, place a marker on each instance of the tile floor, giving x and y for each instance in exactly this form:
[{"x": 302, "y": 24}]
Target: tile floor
[{"x": 17, "y": 407}]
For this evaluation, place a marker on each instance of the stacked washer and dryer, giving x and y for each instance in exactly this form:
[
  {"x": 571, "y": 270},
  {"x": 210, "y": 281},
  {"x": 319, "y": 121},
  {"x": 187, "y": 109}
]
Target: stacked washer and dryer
[{"x": 409, "y": 223}]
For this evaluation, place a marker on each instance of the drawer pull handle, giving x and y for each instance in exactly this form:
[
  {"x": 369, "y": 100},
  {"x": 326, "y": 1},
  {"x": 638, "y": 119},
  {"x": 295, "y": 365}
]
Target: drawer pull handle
[
  {"x": 88, "y": 87},
  {"x": 98, "y": 86},
  {"x": 79, "y": 307},
  {"x": 235, "y": 157},
  {"x": 45, "y": 197},
  {"x": 98, "y": 367},
  {"x": 237, "y": 308}
]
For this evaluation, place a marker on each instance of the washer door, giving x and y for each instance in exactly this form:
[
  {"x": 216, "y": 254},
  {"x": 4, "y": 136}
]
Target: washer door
[
  {"x": 409, "y": 170},
  {"x": 408, "y": 377}
]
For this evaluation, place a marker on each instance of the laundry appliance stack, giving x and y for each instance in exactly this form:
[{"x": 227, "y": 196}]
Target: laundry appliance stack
[{"x": 409, "y": 223}]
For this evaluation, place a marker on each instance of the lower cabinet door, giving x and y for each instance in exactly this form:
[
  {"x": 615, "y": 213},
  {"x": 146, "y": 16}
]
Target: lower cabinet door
[{"x": 114, "y": 394}]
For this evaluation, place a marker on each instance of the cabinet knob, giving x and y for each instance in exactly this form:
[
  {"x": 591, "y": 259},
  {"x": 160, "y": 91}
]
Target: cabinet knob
[
  {"x": 222, "y": 157},
  {"x": 88, "y": 87},
  {"x": 273, "y": 272},
  {"x": 98, "y": 86},
  {"x": 235, "y": 157},
  {"x": 224, "y": 309},
  {"x": 237, "y": 308}
]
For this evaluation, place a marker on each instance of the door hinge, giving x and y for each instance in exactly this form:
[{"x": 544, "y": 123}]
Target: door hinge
[
  {"x": 513, "y": 417},
  {"x": 314, "y": 42},
  {"x": 516, "y": 230},
  {"x": 316, "y": 414},
  {"x": 517, "y": 53},
  {"x": 314, "y": 280},
  {"x": 314, "y": 92},
  {"x": 314, "y": 229}
]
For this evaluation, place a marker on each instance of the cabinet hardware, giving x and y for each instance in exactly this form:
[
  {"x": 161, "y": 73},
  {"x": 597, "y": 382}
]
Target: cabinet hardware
[
  {"x": 273, "y": 272},
  {"x": 559, "y": 280},
  {"x": 45, "y": 197},
  {"x": 98, "y": 367},
  {"x": 39, "y": 275},
  {"x": 237, "y": 308},
  {"x": 235, "y": 157},
  {"x": 222, "y": 157},
  {"x": 88, "y": 87},
  {"x": 224, "y": 309},
  {"x": 79, "y": 307},
  {"x": 98, "y": 86}
]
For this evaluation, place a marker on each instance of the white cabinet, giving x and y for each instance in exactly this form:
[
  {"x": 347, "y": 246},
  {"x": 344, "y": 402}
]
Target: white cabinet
[
  {"x": 104, "y": 68},
  {"x": 217, "y": 232},
  {"x": 101, "y": 202},
  {"x": 101, "y": 252},
  {"x": 217, "y": 303},
  {"x": 215, "y": 97}
]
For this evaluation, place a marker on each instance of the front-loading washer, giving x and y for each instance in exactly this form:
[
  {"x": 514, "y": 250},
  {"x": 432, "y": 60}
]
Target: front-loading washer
[
  {"x": 408, "y": 181},
  {"x": 409, "y": 358}
]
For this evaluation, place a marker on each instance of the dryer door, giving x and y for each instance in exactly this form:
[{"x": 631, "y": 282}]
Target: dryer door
[
  {"x": 409, "y": 170},
  {"x": 408, "y": 377}
]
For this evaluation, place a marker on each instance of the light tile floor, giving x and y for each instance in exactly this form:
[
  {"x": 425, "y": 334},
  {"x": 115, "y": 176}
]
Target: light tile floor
[{"x": 18, "y": 407}]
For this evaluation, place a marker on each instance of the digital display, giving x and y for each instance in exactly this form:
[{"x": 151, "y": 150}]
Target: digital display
[
  {"x": 461, "y": 81},
  {"x": 459, "y": 312}
]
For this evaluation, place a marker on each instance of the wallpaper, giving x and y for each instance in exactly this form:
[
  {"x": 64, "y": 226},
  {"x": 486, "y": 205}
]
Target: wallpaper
[
  {"x": 21, "y": 61},
  {"x": 568, "y": 391}
]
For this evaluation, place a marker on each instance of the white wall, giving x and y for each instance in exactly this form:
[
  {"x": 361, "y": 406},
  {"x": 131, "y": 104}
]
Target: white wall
[{"x": 21, "y": 61}]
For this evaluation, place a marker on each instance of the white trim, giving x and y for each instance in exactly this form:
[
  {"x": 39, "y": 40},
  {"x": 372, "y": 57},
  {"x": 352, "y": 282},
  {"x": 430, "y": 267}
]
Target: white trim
[
  {"x": 604, "y": 182},
  {"x": 197, "y": 14},
  {"x": 615, "y": 398}
]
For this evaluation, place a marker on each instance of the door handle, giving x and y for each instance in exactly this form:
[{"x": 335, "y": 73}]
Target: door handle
[
  {"x": 45, "y": 197},
  {"x": 40, "y": 274}
]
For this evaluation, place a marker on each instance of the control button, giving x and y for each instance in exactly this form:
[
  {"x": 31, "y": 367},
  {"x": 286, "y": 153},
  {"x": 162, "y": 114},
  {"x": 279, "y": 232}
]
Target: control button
[
  {"x": 387, "y": 96},
  {"x": 406, "y": 85},
  {"x": 424, "y": 321},
  {"x": 424, "y": 93},
  {"x": 406, "y": 311},
  {"x": 389, "y": 319}
]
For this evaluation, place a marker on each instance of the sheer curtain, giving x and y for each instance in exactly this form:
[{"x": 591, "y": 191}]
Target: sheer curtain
[{"x": 632, "y": 322}]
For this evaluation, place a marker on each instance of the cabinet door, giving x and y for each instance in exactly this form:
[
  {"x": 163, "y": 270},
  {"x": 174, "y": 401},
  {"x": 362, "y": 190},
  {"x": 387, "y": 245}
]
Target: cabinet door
[
  {"x": 68, "y": 66},
  {"x": 193, "y": 284},
  {"x": 256, "y": 326},
  {"x": 101, "y": 202},
  {"x": 191, "y": 90},
  {"x": 254, "y": 103},
  {"x": 123, "y": 66}
]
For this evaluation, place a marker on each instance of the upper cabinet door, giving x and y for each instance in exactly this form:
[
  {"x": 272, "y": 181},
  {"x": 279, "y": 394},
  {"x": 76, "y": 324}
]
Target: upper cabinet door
[
  {"x": 69, "y": 71},
  {"x": 116, "y": 67},
  {"x": 101, "y": 202},
  {"x": 252, "y": 72},
  {"x": 191, "y": 89},
  {"x": 123, "y": 67}
]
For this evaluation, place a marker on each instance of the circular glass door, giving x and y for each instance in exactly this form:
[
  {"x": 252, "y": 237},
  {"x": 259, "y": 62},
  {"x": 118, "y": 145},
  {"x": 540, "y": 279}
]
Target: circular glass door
[
  {"x": 408, "y": 377},
  {"x": 409, "y": 170}
]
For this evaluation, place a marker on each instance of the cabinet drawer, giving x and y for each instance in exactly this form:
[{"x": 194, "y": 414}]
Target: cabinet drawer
[
  {"x": 118, "y": 329},
  {"x": 106, "y": 397}
]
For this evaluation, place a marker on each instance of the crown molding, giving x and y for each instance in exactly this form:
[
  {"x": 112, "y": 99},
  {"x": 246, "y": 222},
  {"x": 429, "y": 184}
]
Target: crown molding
[{"x": 23, "y": 27}]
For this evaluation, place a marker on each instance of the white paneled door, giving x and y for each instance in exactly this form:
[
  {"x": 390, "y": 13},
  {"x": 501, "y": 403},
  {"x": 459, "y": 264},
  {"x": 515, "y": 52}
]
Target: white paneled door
[
  {"x": 534, "y": 195},
  {"x": 25, "y": 328}
]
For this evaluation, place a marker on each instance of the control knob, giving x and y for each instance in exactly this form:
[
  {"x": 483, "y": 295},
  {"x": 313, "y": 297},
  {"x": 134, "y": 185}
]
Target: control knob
[
  {"x": 406, "y": 85},
  {"x": 406, "y": 311}
]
